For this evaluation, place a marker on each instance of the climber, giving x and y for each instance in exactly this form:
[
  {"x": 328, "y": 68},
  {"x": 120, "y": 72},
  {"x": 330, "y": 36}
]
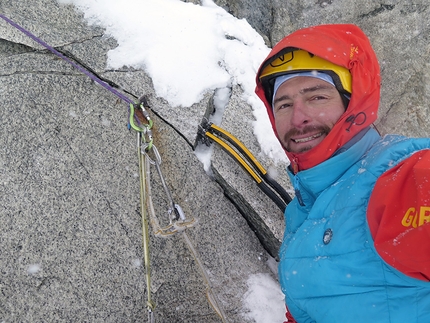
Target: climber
[{"x": 356, "y": 246}]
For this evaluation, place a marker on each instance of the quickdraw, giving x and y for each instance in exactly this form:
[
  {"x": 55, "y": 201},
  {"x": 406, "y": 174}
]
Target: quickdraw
[
  {"x": 211, "y": 133},
  {"x": 176, "y": 217},
  {"x": 177, "y": 221}
]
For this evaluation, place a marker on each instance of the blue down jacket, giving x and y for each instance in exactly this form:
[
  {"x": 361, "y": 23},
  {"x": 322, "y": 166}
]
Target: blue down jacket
[{"x": 329, "y": 269}]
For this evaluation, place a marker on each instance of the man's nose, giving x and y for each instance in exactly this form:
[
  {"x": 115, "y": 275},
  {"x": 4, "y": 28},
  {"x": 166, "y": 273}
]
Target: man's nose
[{"x": 300, "y": 116}]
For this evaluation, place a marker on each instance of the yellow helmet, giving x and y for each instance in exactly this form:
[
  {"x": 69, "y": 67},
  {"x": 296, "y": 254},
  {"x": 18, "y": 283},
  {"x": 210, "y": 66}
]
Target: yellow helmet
[{"x": 298, "y": 60}]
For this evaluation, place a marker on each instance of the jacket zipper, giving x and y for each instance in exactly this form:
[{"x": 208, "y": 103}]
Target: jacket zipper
[
  {"x": 297, "y": 190},
  {"x": 295, "y": 168}
]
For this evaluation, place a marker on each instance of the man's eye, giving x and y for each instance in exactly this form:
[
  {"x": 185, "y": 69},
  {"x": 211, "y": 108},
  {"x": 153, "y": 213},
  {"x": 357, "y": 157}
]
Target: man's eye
[
  {"x": 284, "y": 106},
  {"x": 319, "y": 97}
]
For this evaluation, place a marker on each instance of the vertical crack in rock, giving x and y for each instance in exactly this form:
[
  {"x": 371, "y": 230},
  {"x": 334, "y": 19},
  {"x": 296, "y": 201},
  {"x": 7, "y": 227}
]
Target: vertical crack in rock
[{"x": 266, "y": 237}]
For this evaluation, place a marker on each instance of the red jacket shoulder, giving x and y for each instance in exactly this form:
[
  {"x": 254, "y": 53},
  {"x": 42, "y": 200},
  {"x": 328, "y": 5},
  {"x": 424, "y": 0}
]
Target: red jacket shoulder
[{"x": 399, "y": 216}]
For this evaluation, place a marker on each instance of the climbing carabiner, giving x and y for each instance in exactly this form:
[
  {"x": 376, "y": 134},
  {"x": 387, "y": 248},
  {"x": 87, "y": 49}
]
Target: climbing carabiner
[
  {"x": 177, "y": 221},
  {"x": 134, "y": 121}
]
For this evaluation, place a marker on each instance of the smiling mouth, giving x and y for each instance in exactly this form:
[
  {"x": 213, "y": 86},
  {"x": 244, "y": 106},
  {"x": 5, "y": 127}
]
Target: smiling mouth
[{"x": 301, "y": 140}]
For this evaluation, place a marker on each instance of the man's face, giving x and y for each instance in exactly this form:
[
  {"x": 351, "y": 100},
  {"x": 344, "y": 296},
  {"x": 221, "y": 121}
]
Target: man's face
[{"x": 306, "y": 109}]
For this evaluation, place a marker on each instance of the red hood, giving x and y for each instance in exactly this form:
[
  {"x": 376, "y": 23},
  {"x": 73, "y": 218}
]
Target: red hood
[{"x": 345, "y": 45}]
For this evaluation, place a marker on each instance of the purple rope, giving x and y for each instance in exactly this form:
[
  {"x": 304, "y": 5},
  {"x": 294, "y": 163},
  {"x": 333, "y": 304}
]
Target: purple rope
[{"x": 62, "y": 56}]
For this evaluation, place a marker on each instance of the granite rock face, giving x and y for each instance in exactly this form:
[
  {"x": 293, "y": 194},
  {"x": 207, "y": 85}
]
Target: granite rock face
[{"x": 71, "y": 240}]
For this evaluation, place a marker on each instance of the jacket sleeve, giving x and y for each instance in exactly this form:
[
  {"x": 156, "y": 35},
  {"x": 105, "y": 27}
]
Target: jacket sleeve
[{"x": 399, "y": 216}]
